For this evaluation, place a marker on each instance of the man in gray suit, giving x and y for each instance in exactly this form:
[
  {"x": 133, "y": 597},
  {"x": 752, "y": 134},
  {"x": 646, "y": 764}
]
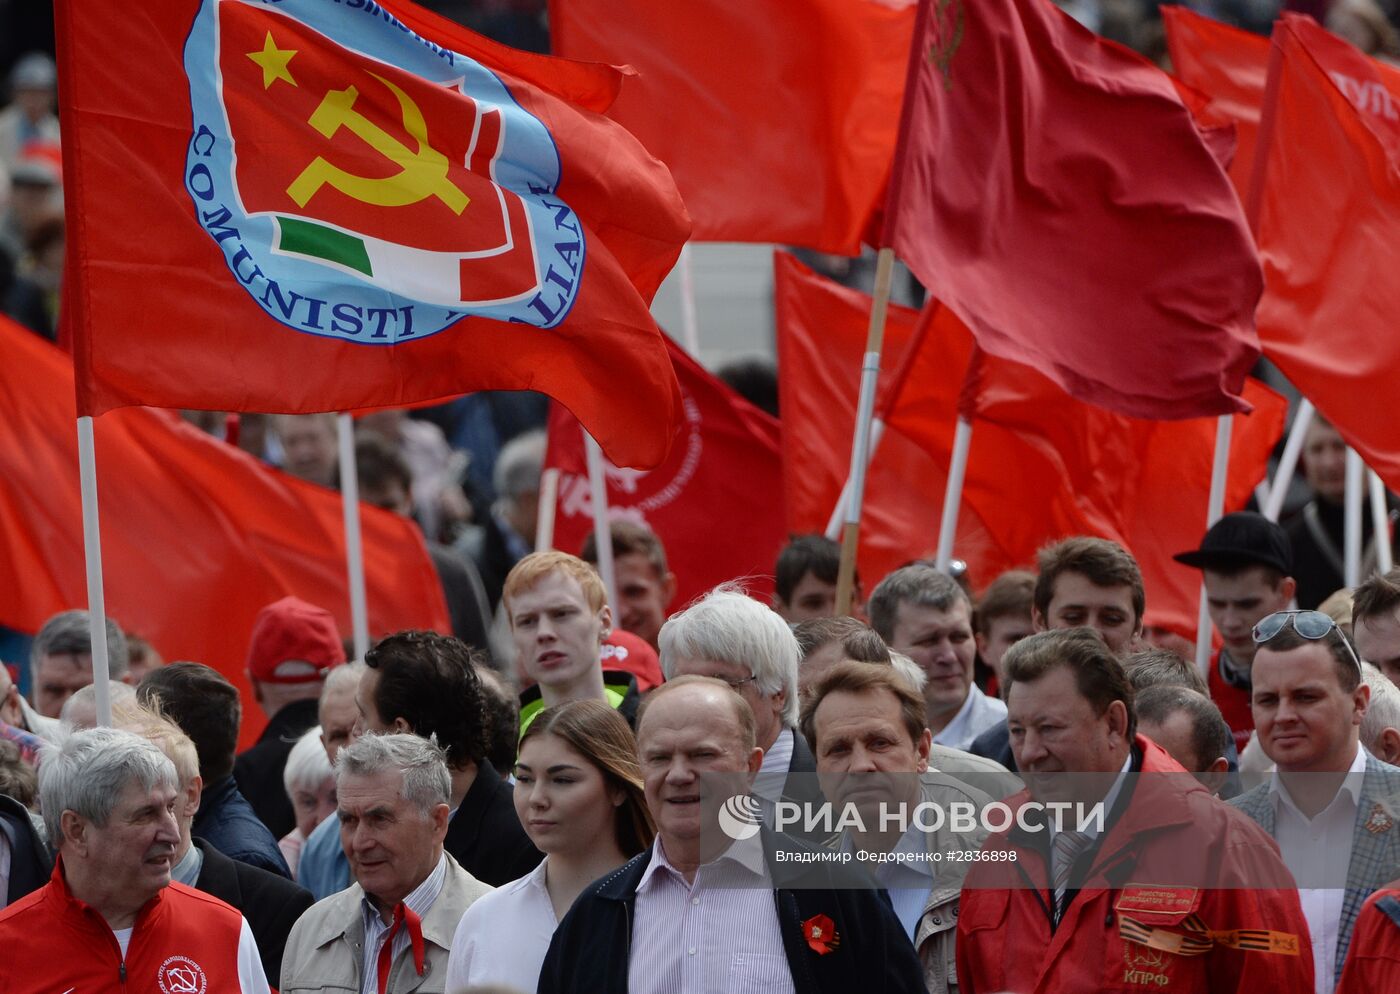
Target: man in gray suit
[{"x": 1331, "y": 807}]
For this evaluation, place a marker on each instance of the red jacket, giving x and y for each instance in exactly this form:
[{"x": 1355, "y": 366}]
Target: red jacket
[
  {"x": 183, "y": 942},
  {"x": 1233, "y": 702},
  {"x": 1172, "y": 833},
  {"x": 1373, "y": 959}
]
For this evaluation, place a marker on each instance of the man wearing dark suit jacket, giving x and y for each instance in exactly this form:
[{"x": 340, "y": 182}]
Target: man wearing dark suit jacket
[
  {"x": 425, "y": 684},
  {"x": 30, "y": 863}
]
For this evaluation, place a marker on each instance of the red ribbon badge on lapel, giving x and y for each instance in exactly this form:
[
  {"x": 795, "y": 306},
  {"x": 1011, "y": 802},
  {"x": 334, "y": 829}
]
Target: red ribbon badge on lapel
[{"x": 820, "y": 933}]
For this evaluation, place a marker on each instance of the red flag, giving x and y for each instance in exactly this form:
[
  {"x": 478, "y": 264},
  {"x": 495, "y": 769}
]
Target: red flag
[
  {"x": 1142, "y": 483},
  {"x": 777, "y": 117},
  {"x": 1229, "y": 66},
  {"x": 1053, "y": 191},
  {"x": 715, "y": 503},
  {"x": 197, "y": 536},
  {"x": 1328, "y": 215},
  {"x": 1042, "y": 465},
  {"x": 310, "y": 207}
]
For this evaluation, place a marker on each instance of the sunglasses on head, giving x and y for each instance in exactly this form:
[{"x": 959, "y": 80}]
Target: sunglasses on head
[{"x": 1311, "y": 625}]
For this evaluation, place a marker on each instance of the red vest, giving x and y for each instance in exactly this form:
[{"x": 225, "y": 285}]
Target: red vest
[
  {"x": 1233, "y": 703},
  {"x": 184, "y": 942}
]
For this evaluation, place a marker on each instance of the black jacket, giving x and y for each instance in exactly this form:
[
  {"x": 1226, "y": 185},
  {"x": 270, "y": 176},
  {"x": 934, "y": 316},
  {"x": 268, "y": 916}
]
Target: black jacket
[
  {"x": 228, "y": 824},
  {"x": 485, "y": 836},
  {"x": 258, "y": 771},
  {"x": 30, "y": 862},
  {"x": 272, "y": 904},
  {"x": 591, "y": 949}
]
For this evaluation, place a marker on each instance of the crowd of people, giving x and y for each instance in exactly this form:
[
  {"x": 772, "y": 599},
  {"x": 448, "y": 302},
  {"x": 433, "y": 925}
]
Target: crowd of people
[{"x": 434, "y": 817}]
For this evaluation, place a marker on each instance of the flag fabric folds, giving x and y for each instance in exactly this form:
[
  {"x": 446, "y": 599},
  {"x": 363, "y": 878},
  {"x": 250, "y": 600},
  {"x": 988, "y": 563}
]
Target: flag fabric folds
[
  {"x": 1042, "y": 464},
  {"x": 777, "y": 117},
  {"x": 1052, "y": 189},
  {"x": 197, "y": 535},
  {"x": 1229, "y": 67},
  {"x": 1328, "y": 215},
  {"x": 715, "y": 503},
  {"x": 310, "y": 206}
]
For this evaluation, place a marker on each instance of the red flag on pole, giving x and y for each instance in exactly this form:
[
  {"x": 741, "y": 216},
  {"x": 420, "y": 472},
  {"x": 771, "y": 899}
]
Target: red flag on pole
[
  {"x": 312, "y": 206},
  {"x": 1227, "y": 65},
  {"x": 1090, "y": 471},
  {"x": 777, "y": 117},
  {"x": 1329, "y": 211},
  {"x": 716, "y": 503},
  {"x": 1052, "y": 189},
  {"x": 198, "y": 535}
]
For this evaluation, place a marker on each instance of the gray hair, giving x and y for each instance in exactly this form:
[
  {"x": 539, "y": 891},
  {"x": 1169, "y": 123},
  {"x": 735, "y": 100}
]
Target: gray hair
[
  {"x": 519, "y": 465},
  {"x": 1384, "y": 710},
  {"x": 909, "y": 671},
  {"x": 90, "y": 769},
  {"x": 426, "y": 782},
  {"x": 338, "y": 678},
  {"x": 70, "y": 633},
  {"x": 918, "y": 584},
  {"x": 80, "y": 710},
  {"x": 728, "y": 626},
  {"x": 308, "y": 766}
]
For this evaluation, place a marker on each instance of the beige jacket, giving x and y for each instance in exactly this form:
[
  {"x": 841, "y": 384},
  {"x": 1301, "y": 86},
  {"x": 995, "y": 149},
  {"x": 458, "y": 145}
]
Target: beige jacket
[{"x": 326, "y": 946}]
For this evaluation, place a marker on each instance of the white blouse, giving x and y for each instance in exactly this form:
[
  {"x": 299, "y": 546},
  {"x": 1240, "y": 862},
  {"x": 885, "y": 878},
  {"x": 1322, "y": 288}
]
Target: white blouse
[{"x": 503, "y": 937}]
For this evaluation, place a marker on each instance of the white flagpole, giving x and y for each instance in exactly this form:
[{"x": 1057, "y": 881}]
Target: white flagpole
[
  {"x": 690, "y": 324},
  {"x": 952, "y": 495},
  {"x": 1351, "y": 556},
  {"x": 92, "y": 554},
  {"x": 1288, "y": 462},
  {"x": 1224, "y": 428},
  {"x": 1380, "y": 522},
  {"x": 354, "y": 550},
  {"x": 544, "y": 517},
  {"x": 860, "y": 443},
  {"x": 838, "y": 513},
  {"x": 602, "y": 528}
]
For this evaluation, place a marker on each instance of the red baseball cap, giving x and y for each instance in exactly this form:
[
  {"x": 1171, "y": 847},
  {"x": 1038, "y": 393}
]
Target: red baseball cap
[
  {"x": 293, "y": 642},
  {"x": 624, "y": 651}
]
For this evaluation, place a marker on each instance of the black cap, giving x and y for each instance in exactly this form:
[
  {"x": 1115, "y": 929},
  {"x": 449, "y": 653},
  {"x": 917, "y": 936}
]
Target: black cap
[{"x": 1245, "y": 538}]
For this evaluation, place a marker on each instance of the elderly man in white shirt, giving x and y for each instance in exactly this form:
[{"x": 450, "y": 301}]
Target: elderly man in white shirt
[
  {"x": 1329, "y": 805},
  {"x": 924, "y": 614}
]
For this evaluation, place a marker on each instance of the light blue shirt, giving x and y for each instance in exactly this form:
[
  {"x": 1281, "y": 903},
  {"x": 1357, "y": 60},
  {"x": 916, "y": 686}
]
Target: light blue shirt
[{"x": 323, "y": 868}]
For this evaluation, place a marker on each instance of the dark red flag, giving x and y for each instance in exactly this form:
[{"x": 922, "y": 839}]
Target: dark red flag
[
  {"x": 1052, "y": 189},
  {"x": 716, "y": 502}
]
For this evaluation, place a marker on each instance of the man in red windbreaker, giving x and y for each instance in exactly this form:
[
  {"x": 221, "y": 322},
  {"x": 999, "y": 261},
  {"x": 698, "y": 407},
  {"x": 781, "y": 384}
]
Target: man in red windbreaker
[
  {"x": 1373, "y": 960},
  {"x": 1170, "y": 890},
  {"x": 109, "y": 918}
]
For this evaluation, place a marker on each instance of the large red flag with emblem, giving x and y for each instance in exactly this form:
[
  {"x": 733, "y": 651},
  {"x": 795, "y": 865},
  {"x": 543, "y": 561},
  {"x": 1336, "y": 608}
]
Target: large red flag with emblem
[
  {"x": 310, "y": 206},
  {"x": 1042, "y": 465},
  {"x": 1052, "y": 189},
  {"x": 1328, "y": 220},
  {"x": 716, "y": 503},
  {"x": 777, "y": 117},
  {"x": 197, "y": 535},
  {"x": 1228, "y": 66}
]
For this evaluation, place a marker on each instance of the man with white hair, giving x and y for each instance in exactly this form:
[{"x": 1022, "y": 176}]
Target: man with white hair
[
  {"x": 110, "y": 916},
  {"x": 730, "y": 636},
  {"x": 1380, "y": 725},
  {"x": 394, "y": 925}
]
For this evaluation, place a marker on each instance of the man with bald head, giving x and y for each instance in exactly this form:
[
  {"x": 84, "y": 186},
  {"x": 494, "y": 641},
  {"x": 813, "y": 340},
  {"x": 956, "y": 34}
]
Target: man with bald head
[{"x": 696, "y": 913}]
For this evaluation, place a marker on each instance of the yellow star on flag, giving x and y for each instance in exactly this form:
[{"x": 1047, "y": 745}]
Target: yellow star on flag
[{"x": 273, "y": 61}]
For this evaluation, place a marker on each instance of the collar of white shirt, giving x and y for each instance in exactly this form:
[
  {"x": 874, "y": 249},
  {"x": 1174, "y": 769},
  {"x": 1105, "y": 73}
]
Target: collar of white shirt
[
  {"x": 745, "y": 856},
  {"x": 1091, "y": 830},
  {"x": 772, "y": 775},
  {"x": 1351, "y": 785}
]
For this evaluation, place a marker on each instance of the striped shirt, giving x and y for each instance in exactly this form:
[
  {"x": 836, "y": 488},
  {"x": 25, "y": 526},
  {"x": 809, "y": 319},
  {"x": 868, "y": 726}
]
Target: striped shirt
[
  {"x": 419, "y": 901},
  {"x": 719, "y": 935}
]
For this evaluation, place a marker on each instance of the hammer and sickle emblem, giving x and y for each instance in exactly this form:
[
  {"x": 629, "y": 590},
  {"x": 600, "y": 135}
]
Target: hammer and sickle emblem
[{"x": 422, "y": 173}]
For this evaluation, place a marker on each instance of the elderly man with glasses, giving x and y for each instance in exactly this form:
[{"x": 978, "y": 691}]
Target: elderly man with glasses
[{"x": 1329, "y": 805}]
